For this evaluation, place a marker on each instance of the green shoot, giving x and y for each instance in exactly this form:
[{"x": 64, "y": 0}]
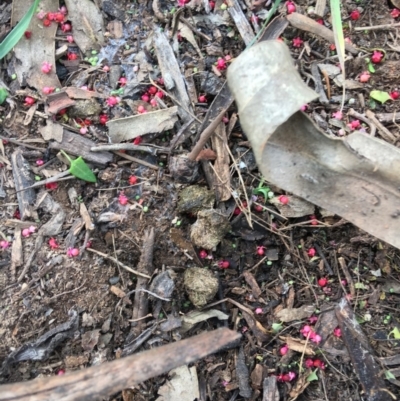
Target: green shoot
[{"x": 16, "y": 34}]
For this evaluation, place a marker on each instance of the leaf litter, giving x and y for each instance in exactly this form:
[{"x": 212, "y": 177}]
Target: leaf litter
[{"x": 144, "y": 104}]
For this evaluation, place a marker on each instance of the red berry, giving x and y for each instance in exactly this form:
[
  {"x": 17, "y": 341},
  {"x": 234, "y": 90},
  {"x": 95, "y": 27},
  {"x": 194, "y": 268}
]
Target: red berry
[
  {"x": 221, "y": 64},
  {"x": 132, "y": 180},
  {"x": 284, "y": 199},
  {"x": 320, "y": 21},
  {"x": 322, "y": 282},
  {"x": 376, "y": 57},
  {"x": 258, "y": 208},
  {"x": 159, "y": 94},
  {"x": 394, "y": 95},
  {"x": 319, "y": 364},
  {"x": 72, "y": 56},
  {"x": 28, "y": 34},
  {"x": 29, "y": 101},
  {"x": 59, "y": 17},
  {"x": 46, "y": 22},
  {"x": 152, "y": 90},
  {"x": 223, "y": 264},
  {"x": 332, "y": 47},
  {"x": 203, "y": 254},
  {"x": 311, "y": 252},
  {"x": 51, "y": 185},
  {"x": 202, "y": 99},
  {"x": 103, "y": 118},
  {"x": 138, "y": 140},
  {"x": 355, "y": 15},
  {"x": 51, "y": 16},
  {"x": 395, "y": 13}
]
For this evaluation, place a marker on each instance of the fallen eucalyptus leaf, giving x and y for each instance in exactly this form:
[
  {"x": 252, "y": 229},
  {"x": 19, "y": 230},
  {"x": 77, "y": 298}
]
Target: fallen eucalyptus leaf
[{"x": 355, "y": 177}]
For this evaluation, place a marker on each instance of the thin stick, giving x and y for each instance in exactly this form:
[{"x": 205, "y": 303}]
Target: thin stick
[
  {"x": 118, "y": 262},
  {"x": 386, "y": 134},
  {"x": 377, "y": 27},
  {"x": 20, "y": 143},
  {"x": 361, "y": 117},
  {"x": 136, "y": 160},
  {"x": 205, "y": 135},
  {"x": 153, "y": 149}
]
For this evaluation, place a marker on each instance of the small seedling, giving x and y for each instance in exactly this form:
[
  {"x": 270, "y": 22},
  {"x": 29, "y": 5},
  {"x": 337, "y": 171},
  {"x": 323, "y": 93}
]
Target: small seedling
[{"x": 79, "y": 169}]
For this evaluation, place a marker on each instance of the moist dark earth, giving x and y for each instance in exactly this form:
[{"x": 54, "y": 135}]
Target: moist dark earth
[{"x": 263, "y": 264}]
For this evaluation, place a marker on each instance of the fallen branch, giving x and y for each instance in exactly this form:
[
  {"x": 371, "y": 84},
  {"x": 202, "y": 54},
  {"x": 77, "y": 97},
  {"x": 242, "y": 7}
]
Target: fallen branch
[{"x": 100, "y": 382}]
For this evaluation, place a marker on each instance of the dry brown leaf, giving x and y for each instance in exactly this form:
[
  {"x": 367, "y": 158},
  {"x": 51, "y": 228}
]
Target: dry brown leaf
[
  {"x": 206, "y": 154},
  {"x": 298, "y": 345},
  {"x": 289, "y": 314}
]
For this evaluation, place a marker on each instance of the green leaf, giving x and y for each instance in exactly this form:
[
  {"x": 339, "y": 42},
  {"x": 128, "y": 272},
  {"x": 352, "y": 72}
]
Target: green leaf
[
  {"x": 3, "y": 95},
  {"x": 360, "y": 286},
  {"x": 371, "y": 68},
  {"x": 389, "y": 375},
  {"x": 339, "y": 38},
  {"x": 81, "y": 170},
  {"x": 262, "y": 191},
  {"x": 276, "y": 327},
  {"x": 312, "y": 376},
  {"x": 15, "y": 35},
  {"x": 396, "y": 333},
  {"x": 380, "y": 96}
]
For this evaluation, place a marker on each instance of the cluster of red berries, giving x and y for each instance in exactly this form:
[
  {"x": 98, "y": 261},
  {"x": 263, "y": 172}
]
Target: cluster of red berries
[
  {"x": 57, "y": 17},
  {"x": 151, "y": 93}
]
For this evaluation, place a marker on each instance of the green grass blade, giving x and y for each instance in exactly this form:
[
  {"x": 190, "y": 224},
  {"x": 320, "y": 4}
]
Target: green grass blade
[
  {"x": 339, "y": 38},
  {"x": 15, "y": 35}
]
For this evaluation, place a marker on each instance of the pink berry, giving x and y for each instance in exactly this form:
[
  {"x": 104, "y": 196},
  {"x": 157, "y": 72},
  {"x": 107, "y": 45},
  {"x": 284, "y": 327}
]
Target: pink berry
[
  {"x": 4, "y": 244},
  {"x": 323, "y": 281},
  {"x": 312, "y": 319},
  {"x": 338, "y": 115},
  {"x": 145, "y": 98},
  {"x": 309, "y": 363},
  {"x": 63, "y": 10},
  {"x": 39, "y": 162},
  {"x": 304, "y": 107},
  {"x": 315, "y": 338},
  {"x": 394, "y": 95},
  {"x": 259, "y": 311},
  {"x": 311, "y": 252},
  {"x": 364, "y": 77},
  {"x": 284, "y": 350},
  {"x": 32, "y": 229},
  {"x": 354, "y": 124},
  {"x": 122, "y": 199},
  {"x": 297, "y": 42},
  {"x": 40, "y": 15},
  {"x": 46, "y": 67},
  {"x": 258, "y": 208},
  {"x": 202, "y": 99},
  {"x": 376, "y": 57},
  {"x": 106, "y": 68},
  {"x": 26, "y": 233},
  {"x": 66, "y": 27},
  {"x": 283, "y": 199},
  {"x": 112, "y": 101},
  {"x": 291, "y": 7},
  {"x": 72, "y": 252},
  {"x": 225, "y": 120},
  {"x": 223, "y": 264},
  {"x": 83, "y": 130},
  {"x": 355, "y": 15},
  {"x": 29, "y": 101},
  {"x": 260, "y": 250},
  {"x": 395, "y": 13},
  {"x": 61, "y": 372},
  {"x": 314, "y": 220},
  {"x": 320, "y": 21},
  {"x": 203, "y": 254},
  {"x": 221, "y": 64},
  {"x": 47, "y": 90},
  {"x": 53, "y": 243},
  {"x": 159, "y": 94},
  {"x": 337, "y": 332},
  {"x": 123, "y": 81},
  {"x": 138, "y": 140},
  {"x": 141, "y": 109},
  {"x": 153, "y": 102},
  {"x": 305, "y": 330}
]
